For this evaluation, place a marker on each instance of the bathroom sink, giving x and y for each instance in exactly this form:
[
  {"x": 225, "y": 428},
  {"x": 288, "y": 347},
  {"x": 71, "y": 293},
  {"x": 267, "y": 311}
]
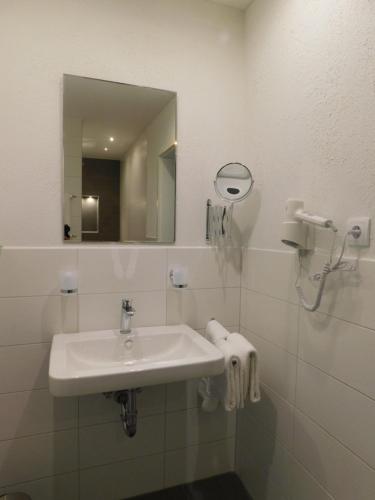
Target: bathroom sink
[{"x": 103, "y": 361}]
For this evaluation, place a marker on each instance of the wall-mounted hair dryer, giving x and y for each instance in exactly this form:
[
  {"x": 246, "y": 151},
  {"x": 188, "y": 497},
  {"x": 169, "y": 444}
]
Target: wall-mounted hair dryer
[
  {"x": 295, "y": 231},
  {"x": 296, "y": 234}
]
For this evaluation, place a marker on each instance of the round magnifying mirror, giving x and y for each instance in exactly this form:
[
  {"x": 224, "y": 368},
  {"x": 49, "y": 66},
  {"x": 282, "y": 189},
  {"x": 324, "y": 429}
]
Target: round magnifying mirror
[{"x": 233, "y": 182}]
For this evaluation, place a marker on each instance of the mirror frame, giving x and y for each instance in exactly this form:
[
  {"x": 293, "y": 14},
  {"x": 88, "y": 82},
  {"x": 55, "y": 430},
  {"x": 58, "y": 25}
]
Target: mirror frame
[{"x": 247, "y": 192}]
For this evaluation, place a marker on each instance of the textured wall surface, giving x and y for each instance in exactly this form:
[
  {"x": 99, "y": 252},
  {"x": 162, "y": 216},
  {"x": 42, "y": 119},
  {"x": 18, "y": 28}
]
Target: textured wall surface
[
  {"x": 311, "y": 74},
  {"x": 310, "y": 79},
  {"x": 193, "y": 47}
]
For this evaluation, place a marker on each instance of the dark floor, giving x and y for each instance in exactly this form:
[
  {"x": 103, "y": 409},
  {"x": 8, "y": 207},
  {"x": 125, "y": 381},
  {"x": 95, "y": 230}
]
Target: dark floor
[{"x": 224, "y": 487}]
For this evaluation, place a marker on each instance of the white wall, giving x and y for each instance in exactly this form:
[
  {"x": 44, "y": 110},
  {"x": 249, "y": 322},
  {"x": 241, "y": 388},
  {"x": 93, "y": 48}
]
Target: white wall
[
  {"x": 139, "y": 182},
  {"x": 310, "y": 70},
  {"x": 75, "y": 448},
  {"x": 193, "y": 47},
  {"x": 48, "y": 446},
  {"x": 310, "y": 78},
  {"x": 133, "y": 192}
]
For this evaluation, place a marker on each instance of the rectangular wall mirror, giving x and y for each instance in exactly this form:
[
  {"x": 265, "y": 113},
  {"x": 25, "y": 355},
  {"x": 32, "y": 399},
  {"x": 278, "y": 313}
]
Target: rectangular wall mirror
[{"x": 119, "y": 162}]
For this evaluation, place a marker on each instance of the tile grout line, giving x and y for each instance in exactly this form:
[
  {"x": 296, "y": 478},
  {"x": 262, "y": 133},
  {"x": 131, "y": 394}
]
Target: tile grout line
[
  {"x": 347, "y": 448},
  {"x": 300, "y": 359},
  {"x": 309, "y": 473},
  {"x": 322, "y": 312},
  {"x": 239, "y": 329}
]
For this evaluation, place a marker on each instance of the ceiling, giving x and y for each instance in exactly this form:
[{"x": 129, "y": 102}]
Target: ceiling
[
  {"x": 239, "y": 4},
  {"x": 109, "y": 109}
]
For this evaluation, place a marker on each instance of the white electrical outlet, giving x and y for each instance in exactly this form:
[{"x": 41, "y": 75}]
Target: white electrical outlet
[{"x": 360, "y": 227}]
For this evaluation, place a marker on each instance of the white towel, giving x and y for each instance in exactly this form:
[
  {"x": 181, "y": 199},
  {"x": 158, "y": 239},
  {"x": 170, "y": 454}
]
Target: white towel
[
  {"x": 227, "y": 386},
  {"x": 215, "y": 331},
  {"x": 248, "y": 368},
  {"x": 240, "y": 380}
]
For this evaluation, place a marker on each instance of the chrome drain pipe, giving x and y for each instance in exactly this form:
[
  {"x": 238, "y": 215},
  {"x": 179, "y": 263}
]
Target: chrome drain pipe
[{"x": 127, "y": 399}]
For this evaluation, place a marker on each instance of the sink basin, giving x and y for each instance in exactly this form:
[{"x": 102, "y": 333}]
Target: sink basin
[{"x": 103, "y": 361}]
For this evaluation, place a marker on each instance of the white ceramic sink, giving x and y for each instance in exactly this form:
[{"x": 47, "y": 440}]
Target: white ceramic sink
[{"x": 103, "y": 361}]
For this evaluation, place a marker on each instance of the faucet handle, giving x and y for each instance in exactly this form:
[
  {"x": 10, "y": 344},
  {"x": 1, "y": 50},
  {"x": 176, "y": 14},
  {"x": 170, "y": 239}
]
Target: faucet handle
[{"x": 127, "y": 304}]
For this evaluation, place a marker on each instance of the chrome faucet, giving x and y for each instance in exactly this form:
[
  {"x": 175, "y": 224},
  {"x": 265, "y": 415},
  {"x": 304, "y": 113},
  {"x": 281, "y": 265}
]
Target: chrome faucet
[{"x": 127, "y": 312}]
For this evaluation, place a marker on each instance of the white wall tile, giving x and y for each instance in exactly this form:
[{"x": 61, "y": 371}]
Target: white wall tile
[
  {"x": 271, "y": 273},
  {"x": 76, "y": 227},
  {"x": 105, "y": 443},
  {"x": 277, "y": 367},
  {"x": 338, "y": 470},
  {"x": 344, "y": 412},
  {"x": 231, "y": 329},
  {"x": 24, "y": 367},
  {"x": 76, "y": 207},
  {"x": 332, "y": 463},
  {"x": 96, "y": 409},
  {"x": 72, "y": 168},
  {"x": 193, "y": 426},
  {"x": 72, "y": 127},
  {"x": 198, "y": 462},
  {"x": 262, "y": 462},
  {"x": 341, "y": 349},
  {"x": 197, "y": 307},
  {"x": 273, "y": 319},
  {"x": 274, "y": 412},
  {"x": 35, "y": 412},
  {"x": 348, "y": 295},
  {"x": 103, "y": 311},
  {"x": 73, "y": 146},
  {"x": 73, "y": 185},
  {"x": 182, "y": 395},
  {"x": 61, "y": 487},
  {"x": 122, "y": 269},
  {"x": 207, "y": 267},
  {"x": 69, "y": 313},
  {"x": 33, "y": 271},
  {"x": 34, "y": 457},
  {"x": 122, "y": 479},
  {"x": 304, "y": 486},
  {"x": 26, "y": 320}
]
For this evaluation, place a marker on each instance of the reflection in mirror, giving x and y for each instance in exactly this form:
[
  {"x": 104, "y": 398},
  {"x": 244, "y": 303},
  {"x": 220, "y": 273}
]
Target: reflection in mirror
[
  {"x": 119, "y": 148},
  {"x": 90, "y": 214},
  {"x": 233, "y": 182}
]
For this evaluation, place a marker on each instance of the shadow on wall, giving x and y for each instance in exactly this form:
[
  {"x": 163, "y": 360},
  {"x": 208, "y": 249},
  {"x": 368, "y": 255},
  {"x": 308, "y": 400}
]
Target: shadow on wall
[
  {"x": 338, "y": 284},
  {"x": 255, "y": 451},
  {"x": 245, "y": 215},
  {"x": 263, "y": 462},
  {"x": 244, "y": 220}
]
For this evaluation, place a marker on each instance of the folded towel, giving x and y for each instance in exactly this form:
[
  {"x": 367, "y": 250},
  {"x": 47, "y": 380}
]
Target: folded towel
[
  {"x": 240, "y": 380},
  {"x": 228, "y": 384},
  {"x": 215, "y": 331},
  {"x": 249, "y": 370}
]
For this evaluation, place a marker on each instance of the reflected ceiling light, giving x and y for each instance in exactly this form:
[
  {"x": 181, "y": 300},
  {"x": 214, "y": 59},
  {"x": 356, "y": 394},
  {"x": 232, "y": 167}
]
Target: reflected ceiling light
[
  {"x": 105, "y": 149},
  {"x": 111, "y": 139},
  {"x": 175, "y": 143}
]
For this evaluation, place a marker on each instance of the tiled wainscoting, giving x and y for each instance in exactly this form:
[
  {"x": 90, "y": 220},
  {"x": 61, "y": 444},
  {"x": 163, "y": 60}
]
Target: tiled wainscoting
[
  {"x": 312, "y": 436},
  {"x": 72, "y": 448}
]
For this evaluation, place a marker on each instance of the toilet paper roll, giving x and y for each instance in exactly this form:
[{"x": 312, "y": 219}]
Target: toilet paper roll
[{"x": 215, "y": 331}]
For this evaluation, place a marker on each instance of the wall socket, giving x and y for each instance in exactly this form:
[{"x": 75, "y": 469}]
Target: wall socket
[{"x": 361, "y": 227}]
